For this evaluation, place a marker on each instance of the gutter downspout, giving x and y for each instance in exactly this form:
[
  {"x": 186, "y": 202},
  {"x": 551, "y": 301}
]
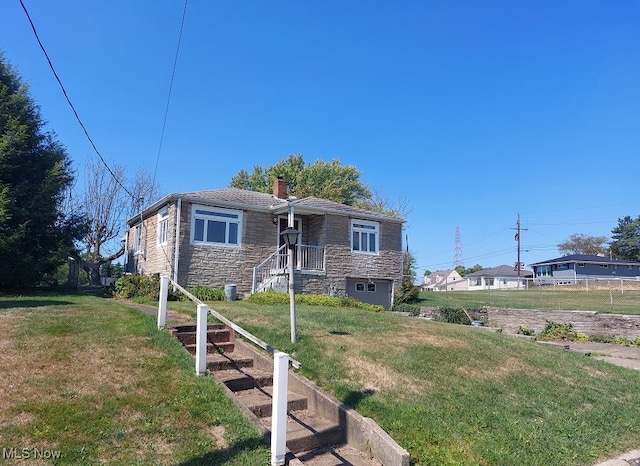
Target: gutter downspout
[{"x": 177, "y": 244}]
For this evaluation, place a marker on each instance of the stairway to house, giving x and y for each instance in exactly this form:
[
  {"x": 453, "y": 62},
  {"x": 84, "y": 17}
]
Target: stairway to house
[{"x": 312, "y": 438}]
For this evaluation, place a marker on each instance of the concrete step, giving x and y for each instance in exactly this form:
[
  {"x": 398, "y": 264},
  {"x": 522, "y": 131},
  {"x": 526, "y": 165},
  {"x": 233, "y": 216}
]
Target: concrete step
[
  {"x": 259, "y": 401},
  {"x": 244, "y": 378},
  {"x": 226, "y": 347},
  {"x": 213, "y": 336},
  {"x": 334, "y": 455},
  {"x": 219, "y": 362},
  {"x": 307, "y": 432}
]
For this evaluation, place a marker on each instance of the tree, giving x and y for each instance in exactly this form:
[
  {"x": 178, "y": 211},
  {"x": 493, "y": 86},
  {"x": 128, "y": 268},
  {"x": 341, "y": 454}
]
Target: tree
[
  {"x": 583, "y": 244},
  {"x": 107, "y": 203},
  {"x": 462, "y": 271},
  {"x": 408, "y": 291},
  {"x": 36, "y": 235},
  {"x": 326, "y": 180},
  {"x": 625, "y": 239}
]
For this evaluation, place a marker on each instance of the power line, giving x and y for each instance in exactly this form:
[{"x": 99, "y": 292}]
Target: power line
[
  {"x": 173, "y": 73},
  {"x": 35, "y": 32}
]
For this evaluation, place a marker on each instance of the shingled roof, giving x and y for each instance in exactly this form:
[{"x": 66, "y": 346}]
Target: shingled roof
[{"x": 252, "y": 200}]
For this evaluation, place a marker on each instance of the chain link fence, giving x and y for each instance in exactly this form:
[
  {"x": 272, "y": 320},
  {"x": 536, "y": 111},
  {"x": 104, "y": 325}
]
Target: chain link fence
[{"x": 602, "y": 295}]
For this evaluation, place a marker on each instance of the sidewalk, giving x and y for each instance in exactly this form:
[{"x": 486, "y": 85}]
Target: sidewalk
[{"x": 625, "y": 356}]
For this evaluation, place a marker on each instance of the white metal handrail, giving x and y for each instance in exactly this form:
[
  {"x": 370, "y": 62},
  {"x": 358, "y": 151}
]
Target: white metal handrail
[{"x": 249, "y": 336}]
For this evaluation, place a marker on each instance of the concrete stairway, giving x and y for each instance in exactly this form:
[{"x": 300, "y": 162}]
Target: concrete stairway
[{"x": 315, "y": 436}]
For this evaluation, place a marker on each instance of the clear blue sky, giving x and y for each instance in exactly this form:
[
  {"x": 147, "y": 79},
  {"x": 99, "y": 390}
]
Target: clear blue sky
[{"x": 473, "y": 111}]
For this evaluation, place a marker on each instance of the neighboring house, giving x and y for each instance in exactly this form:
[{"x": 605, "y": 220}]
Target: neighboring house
[
  {"x": 232, "y": 237},
  {"x": 443, "y": 280},
  {"x": 576, "y": 267},
  {"x": 498, "y": 278}
]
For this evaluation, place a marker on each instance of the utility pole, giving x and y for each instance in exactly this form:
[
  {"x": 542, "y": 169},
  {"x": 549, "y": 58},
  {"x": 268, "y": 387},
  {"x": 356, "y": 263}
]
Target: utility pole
[{"x": 518, "y": 228}]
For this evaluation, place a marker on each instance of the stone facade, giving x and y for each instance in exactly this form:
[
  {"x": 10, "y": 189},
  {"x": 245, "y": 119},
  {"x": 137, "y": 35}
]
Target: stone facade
[{"x": 217, "y": 266}]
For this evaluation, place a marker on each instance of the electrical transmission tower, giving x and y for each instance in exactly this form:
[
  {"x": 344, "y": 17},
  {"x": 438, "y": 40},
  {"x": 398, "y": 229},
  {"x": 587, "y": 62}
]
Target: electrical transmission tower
[{"x": 457, "y": 250}]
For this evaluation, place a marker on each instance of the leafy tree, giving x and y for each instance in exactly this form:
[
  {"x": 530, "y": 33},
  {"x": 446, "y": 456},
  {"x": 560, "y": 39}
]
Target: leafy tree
[
  {"x": 625, "y": 239},
  {"x": 465, "y": 271},
  {"x": 36, "y": 235},
  {"x": 583, "y": 244},
  {"x": 327, "y": 180}
]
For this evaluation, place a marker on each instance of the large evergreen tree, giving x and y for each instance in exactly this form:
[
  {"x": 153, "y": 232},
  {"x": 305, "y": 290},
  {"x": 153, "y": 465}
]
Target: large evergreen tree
[
  {"x": 35, "y": 172},
  {"x": 625, "y": 239}
]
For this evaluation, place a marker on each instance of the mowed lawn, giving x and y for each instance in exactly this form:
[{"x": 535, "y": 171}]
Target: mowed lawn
[{"x": 93, "y": 379}]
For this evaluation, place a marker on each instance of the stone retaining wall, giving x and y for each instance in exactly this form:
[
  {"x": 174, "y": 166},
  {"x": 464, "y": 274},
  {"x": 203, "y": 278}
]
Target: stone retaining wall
[{"x": 587, "y": 322}]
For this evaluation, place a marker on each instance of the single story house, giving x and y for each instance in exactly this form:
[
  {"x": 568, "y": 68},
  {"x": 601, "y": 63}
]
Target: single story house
[
  {"x": 498, "y": 278},
  {"x": 443, "y": 280},
  {"x": 232, "y": 237},
  {"x": 574, "y": 268}
]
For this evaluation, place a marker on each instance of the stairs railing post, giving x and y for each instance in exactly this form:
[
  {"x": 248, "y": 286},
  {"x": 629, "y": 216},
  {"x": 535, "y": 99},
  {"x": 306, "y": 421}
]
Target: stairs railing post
[
  {"x": 201, "y": 339},
  {"x": 162, "y": 301},
  {"x": 279, "y": 408}
]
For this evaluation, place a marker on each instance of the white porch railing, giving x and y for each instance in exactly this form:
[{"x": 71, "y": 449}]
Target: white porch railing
[{"x": 310, "y": 258}]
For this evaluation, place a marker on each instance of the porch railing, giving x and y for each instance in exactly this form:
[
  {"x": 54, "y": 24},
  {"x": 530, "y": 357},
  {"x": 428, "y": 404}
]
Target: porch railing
[{"x": 310, "y": 258}]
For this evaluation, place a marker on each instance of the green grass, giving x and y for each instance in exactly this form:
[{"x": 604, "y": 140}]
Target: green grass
[
  {"x": 614, "y": 300},
  {"x": 94, "y": 380},
  {"x": 455, "y": 395}
]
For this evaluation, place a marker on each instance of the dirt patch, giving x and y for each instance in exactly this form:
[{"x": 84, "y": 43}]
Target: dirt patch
[
  {"x": 218, "y": 434},
  {"x": 375, "y": 377},
  {"x": 493, "y": 372}
]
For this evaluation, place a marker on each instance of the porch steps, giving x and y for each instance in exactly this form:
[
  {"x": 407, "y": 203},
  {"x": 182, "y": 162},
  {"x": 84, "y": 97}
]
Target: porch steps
[{"x": 311, "y": 439}]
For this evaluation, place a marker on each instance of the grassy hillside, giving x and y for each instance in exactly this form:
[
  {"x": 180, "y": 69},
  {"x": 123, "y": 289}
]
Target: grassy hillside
[{"x": 93, "y": 379}]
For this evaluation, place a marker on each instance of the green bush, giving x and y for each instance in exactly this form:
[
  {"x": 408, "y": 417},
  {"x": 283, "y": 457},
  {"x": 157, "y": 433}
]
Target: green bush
[
  {"x": 138, "y": 286},
  {"x": 204, "y": 293},
  {"x": 412, "y": 309},
  {"x": 524, "y": 330},
  {"x": 451, "y": 315},
  {"x": 558, "y": 331},
  {"x": 275, "y": 297}
]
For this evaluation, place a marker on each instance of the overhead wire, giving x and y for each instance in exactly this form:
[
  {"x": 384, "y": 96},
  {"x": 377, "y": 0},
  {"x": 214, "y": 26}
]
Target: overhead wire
[
  {"x": 66, "y": 96},
  {"x": 173, "y": 73}
]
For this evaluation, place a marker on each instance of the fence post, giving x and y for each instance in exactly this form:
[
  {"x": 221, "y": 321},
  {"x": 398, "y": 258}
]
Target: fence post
[
  {"x": 201, "y": 339},
  {"x": 162, "y": 302},
  {"x": 279, "y": 408}
]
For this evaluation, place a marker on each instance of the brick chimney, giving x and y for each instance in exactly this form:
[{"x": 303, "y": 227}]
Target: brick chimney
[{"x": 280, "y": 188}]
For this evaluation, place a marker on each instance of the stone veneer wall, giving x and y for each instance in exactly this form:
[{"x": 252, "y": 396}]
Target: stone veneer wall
[
  {"x": 217, "y": 266},
  {"x": 587, "y": 322},
  {"x": 155, "y": 258}
]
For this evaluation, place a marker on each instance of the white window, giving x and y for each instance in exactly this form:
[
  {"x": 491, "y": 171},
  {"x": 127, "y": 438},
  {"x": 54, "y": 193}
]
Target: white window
[
  {"x": 137, "y": 239},
  {"x": 365, "y": 236},
  {"x": 213, "y": 225},
  {"x": 163, "y": 226}
]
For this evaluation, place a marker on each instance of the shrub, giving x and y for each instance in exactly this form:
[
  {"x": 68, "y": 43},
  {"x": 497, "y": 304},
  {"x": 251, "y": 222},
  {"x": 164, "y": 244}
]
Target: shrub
[
  {"x": 451, "y": 315},
  {"x": 275, "y": 297},
  {"x": 558, "y": 331},
  {"x": 524, "y": 330},
  {"x": 412, "y": 309},
  {"x": 138, "y": 286},
  {"x": 204, "y": 293}
]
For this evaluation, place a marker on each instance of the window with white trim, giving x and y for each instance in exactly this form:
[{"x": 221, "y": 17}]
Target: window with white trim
[
  {"x": 213, "y": 225},
  {"x": 137, "y": 239},
  {"x": 365, "y": 236},
  {"x": 163, "y": 225}
]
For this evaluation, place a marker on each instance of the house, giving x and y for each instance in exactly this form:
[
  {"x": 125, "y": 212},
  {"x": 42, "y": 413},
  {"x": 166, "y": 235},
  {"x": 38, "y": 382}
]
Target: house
[
  {"x": 498, "y": 278},
  {"x": 579, "y": 267},
  {"x": 443, "y": 280},
  {"x": 232, "y": 236}
]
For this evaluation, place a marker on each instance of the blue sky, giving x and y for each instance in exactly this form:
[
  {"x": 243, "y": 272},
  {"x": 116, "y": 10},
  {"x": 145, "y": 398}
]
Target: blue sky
[{"x": 471, "y": 111}]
